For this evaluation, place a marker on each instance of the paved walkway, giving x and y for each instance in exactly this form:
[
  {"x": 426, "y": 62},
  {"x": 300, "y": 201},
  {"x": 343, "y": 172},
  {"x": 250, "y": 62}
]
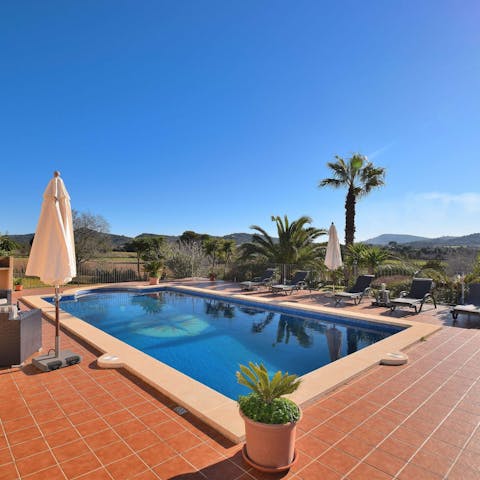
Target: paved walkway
[{"x": 419, "y": 421}]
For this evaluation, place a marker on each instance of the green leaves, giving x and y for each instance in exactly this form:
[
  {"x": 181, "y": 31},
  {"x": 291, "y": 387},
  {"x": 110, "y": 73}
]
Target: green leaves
[{"x": 256, "y": 378}]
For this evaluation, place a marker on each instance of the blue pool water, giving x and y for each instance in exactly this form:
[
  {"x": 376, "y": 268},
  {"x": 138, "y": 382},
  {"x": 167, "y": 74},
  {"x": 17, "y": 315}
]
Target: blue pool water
[{"x": 207, "y": 338}]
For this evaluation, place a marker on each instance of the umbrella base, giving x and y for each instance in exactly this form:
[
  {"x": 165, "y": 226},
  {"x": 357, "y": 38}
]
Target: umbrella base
[{"x": 51, "y": 361}]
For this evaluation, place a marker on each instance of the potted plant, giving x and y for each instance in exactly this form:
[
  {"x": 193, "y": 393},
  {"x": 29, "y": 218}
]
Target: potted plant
[
  {"x": 212, "y": 276},
  {"x": 18, "y": 282},
  {"x": 153, "y": 268},
  {"x": 270, "y": 419}
]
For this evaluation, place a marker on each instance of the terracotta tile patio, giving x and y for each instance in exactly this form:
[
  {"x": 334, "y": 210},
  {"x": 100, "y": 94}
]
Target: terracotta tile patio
[{"x": 418, "y": 421}]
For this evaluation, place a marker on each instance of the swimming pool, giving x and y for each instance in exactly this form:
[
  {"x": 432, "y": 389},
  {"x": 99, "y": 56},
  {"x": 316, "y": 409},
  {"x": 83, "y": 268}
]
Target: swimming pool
[{"x": 207, "y": 337}]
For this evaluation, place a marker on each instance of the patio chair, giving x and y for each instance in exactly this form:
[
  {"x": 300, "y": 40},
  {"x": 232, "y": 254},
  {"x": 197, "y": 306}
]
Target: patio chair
[
  {"x": 5, "y": 297},
  {"x": 472, "y": 302},
  {"x": 357, "y": 292},
  {"x": 264, "y": 281},
  {"x": 298, "y": 282},
  {"x": 420, "y": 292}
]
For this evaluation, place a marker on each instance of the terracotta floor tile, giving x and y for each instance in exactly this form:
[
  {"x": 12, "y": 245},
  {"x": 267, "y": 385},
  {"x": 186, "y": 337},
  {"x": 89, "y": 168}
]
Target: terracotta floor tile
[
  {"x": 99, "y": 474},
  {"x": 365, "y": 471},
  {"x": 112, "y": 452},
  {"x": 92, "y": 426},
  {"x": 80, "y": 465},
  {"x": 327, "y": 434},
  {"x": 385, "y": 462},
  {"x": 175, "y": 466},
  {"x": 5, "y": 456},
  {"x": 154, "y": 418},
  {"x": 101, "y": 439},
  {"x": 83, "y": 417},
  {"x": 18, "y": 424},
  {"x": 413, "y": 472},
  {"x": 434, "y": 463},
  {"x": 168, "y": 429},
  {"x": 34, "y": 463},
  {"x": 30, "y": 447},
  {"x": 56, "y": 425},
  {"x": 141, "y": 440},
  {"x": 60, "y": 438},
  {"x": 398, "y": 449},
  {"x": 126, "y": 468},
  {"x": 354, "y": 446},
  {"x": 24, "y": 435},
  {"x": 8, "y": 472},
  {"x": 312, "y": 446},
  {"x": 129, "y": 428},
  {"x": 70, "y": 450},
  {"x": 156, "y": 454},
  {"x": 51, "y": 473},
  {"x": 222, "y": 470},
  {"x": 338, "y": 460},
  {"x": 463, "y": 472},
  {"x": 183, "y": 441},
  {"x": 116, "y": 418},
  {"x": 147, "y": 475},
  {"x": 316, "y": 471},
  {"x": 202, "y": 456}
]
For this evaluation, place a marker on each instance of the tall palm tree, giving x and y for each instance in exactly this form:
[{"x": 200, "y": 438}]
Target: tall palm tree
[
  {"x": 227, "y": 249},
  {"x": 359, "y": 176},
  {"x": 295, "y": 244}
]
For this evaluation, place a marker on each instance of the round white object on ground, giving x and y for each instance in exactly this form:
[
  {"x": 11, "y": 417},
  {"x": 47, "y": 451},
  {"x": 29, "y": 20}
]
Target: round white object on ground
[
  {"x": 107, "y": 360},
  {"x": 394, "y": 358}
]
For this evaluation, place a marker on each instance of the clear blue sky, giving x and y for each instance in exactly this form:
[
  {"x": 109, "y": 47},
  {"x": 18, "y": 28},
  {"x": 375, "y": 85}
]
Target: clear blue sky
[{"x": 165, "y": 116}]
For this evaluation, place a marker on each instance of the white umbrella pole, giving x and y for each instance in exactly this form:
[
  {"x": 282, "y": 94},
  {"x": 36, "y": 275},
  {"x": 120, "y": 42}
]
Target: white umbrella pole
[{"x": 57, "y": 320}]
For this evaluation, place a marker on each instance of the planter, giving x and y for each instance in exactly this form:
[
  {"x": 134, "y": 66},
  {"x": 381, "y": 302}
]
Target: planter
[
  {"x": 212, "y": 278},
  {"x": 18, "y": 288},
  {"x": 269, "y": 448},
  {"x": 154, "y": 280}
]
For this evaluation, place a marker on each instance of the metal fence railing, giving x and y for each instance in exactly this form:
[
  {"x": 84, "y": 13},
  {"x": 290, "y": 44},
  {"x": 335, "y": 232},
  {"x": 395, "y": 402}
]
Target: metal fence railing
[{"x": 91, "y": 273}]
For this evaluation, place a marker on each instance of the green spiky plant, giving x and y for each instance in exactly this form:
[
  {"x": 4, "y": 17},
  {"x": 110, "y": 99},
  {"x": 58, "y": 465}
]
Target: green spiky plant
[{"x": 266, "y": 403}]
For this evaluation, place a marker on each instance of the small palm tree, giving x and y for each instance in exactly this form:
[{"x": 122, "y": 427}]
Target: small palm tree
[
  {"x": 374, "y": 257},
  {"x": 295, "y": 244},
  {"x": 211, "y": 247},
  {"x": 359, "y": 176}
]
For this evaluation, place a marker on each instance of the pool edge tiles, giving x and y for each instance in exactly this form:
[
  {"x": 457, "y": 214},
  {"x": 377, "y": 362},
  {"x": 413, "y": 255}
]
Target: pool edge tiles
[{"x": 215, "y": 409}]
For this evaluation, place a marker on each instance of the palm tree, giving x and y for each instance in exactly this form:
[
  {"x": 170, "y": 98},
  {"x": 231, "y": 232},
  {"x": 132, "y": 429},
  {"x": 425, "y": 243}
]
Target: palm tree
[
  {"x": 359, "y": 176},
  {"x": 374, "y": 257},
  {"x": 295, "y": 244},
  {"x": 211, "y": 246}
]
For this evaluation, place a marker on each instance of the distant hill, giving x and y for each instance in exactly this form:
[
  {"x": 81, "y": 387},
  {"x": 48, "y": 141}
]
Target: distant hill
[
  {"x": 472, "y": 240},
  {"x": 386, "y": 238},
  {"x": 119, "y": 241}
]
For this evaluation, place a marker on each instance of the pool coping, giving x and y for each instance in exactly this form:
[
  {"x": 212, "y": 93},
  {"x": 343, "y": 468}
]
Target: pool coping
[{"x": 212, "y": 407}]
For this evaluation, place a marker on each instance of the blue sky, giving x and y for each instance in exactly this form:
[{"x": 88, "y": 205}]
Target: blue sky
[{"x": 212, "y": 116}]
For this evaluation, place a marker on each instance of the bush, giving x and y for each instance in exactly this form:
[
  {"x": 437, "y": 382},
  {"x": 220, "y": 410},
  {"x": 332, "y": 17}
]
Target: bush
[{"x": 280, "y": 410}]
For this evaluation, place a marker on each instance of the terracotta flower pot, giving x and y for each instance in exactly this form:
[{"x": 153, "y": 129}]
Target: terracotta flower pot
[
  {"x": 269, "y": 448},
  {"x": 18, "y": 288},
  {"x": 154, "y": 280}
]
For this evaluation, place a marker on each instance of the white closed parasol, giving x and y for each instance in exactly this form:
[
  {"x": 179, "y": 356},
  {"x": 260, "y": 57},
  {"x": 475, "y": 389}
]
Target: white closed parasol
[
  {"x": 333, "y": 257},
  {"x": 52, "y": 257}
]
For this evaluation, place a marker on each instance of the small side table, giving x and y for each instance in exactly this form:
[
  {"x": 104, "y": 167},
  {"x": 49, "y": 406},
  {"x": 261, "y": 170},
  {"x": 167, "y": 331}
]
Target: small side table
[{"x": 382, "y": 298}]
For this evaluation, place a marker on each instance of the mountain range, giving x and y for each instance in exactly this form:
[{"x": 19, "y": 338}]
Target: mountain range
[{"x": 472, "y": 240}]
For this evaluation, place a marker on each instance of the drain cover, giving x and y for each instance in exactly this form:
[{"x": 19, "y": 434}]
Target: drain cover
[{"x": 180, "y": 410}]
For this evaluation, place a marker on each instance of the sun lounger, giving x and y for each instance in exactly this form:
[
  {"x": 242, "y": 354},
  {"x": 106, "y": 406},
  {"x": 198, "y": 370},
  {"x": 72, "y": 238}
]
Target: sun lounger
[
  {"x": 420, "y": 292},
  {"x": 264, "y": 281},
  {"x": 357, "y": 292},
  {"x": 472, "y": 302},
  {"x": 298, "y": 282}
]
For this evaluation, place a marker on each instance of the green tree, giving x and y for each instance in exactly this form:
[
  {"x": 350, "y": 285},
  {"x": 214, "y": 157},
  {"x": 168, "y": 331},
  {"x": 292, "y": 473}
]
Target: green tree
[
  {"x": 91, "y": 235},
  {"x": 295, "y": 244},
  {"x": 212, "y": 248},
  {"x": 154, "y": 254},
  {"x": 374, "y": 257},
  {"x": 7, "y": 246},
  {"x": 139, "y": 245},
  {"x": 227, "y": 249},
  {"x": 359, "y": 176}
]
